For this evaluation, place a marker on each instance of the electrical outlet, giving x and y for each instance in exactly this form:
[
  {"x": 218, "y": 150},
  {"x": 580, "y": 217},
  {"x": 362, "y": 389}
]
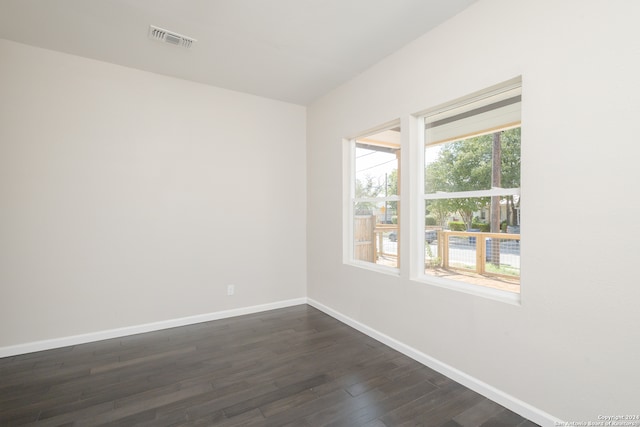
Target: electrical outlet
[{"x": 231, "y": 289}]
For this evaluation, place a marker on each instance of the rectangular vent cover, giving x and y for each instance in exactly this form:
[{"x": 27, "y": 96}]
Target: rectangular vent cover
[{"x": 166, "y": 36}]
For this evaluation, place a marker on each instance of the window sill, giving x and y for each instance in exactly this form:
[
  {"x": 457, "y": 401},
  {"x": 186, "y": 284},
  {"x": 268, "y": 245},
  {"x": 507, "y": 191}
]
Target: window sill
[
  {"x": 390, "y": 271},
  {"x": 476, "y": 290}
]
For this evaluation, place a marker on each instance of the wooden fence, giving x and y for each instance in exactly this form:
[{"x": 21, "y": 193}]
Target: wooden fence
[
  {"x": 480, "y": 247},
  {"x": 369, "y": 244},
  {"x": 364, "y": 245}
]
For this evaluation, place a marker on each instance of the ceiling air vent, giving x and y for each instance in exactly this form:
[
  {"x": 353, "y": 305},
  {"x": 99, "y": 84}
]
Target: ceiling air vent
[{"x": 166, "y": 36}]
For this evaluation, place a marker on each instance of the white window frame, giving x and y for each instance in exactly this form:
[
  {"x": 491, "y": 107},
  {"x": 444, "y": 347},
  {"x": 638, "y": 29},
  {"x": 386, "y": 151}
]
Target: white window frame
[
  {"x": 349, "y": 201},
  {"x": 417, "y": 268}
]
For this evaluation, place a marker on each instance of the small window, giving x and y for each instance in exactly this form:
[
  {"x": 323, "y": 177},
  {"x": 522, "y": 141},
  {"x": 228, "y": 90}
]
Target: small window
[
  {"x": 374, "y": 208},
  {"x": 472, "y": 191}
]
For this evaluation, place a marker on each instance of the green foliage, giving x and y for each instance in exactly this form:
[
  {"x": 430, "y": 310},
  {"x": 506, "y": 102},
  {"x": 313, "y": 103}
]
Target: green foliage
[
  {"x": 457, "y": 226},
  {"x": 482, "y": 226},
  {"x": 431, "y": 261},
  {"x": 510, "y": 160},
  {"x": 461, "y": 166},
  {"x": 465, "y": 165},
  {"x": 392, "y": 183},
  {"x": 392, "y": 189},
  {"x": 430, "y": 220},
  {"x": 370, "y": 187},
  {"x": 367, "y": 187},
  {"x": 439, "y": 209},
  {"x": 502, "y": 269}
]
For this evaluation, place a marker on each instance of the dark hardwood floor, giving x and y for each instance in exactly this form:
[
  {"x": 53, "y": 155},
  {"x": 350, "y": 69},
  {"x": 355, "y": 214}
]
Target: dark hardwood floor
[{"x": 289, "y": 367}]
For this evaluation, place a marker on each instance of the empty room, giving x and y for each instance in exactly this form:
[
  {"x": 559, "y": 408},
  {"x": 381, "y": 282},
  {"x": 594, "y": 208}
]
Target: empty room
[{"x": 319, "y": 213}]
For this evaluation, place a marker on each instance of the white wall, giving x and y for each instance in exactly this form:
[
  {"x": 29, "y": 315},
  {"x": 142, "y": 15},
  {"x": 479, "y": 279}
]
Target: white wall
[
  {"x": 128, "y": 197},
  {"x": 571, "y": 349}
]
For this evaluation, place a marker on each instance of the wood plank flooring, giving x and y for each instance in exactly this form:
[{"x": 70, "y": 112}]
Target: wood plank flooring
[{"x": 289, "y": 367}]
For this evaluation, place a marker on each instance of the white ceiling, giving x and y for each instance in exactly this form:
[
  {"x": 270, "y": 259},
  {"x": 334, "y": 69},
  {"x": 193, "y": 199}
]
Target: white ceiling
[{"x": 290, "y": 50}]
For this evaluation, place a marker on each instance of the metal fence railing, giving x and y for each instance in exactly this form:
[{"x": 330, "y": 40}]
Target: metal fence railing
[
  {"x": 496, "y": 254},
  {"x": 487, "y": 254}
]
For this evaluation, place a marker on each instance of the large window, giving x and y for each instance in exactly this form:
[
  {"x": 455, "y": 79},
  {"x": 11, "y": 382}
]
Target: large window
[
  {"x": 374, "y": 211},
  {"x": 472, "y": 191}
]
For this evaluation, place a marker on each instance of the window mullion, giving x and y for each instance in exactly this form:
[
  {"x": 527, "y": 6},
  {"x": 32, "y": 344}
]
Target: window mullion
[{"x": 479, "y": 193}]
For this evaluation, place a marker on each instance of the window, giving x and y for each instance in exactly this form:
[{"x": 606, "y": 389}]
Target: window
[
  {"x": 472, "y": 191},
  {"x": 374, "y": 199}
]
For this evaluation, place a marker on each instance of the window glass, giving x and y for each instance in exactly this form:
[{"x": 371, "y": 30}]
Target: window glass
[
  {"x": 472, "y": 192},
  {"x": 376, "y": 198}
]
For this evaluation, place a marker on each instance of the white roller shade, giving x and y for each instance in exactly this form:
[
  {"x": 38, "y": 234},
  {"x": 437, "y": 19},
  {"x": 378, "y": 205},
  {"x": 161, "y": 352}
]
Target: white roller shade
[{"x": 490, "y": 114}]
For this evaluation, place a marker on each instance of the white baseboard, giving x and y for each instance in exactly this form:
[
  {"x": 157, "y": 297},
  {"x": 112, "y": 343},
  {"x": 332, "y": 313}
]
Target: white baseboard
[
  {"x": 139, "y": 329},
  {"x": 516, "y": 405}
]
